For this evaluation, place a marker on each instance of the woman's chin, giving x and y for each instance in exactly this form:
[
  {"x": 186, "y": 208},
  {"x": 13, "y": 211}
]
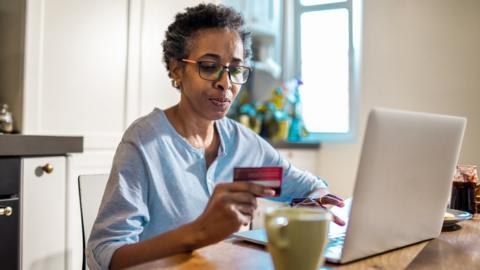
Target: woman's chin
[
  {"x": 219, "y": 112},
  {"x": 219, "y": 115}
]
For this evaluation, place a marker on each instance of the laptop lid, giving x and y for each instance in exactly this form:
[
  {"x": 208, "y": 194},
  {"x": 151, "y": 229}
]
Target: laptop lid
[
  {"x": 402, "y": 187},
  {"x": 403, "y": 180}
]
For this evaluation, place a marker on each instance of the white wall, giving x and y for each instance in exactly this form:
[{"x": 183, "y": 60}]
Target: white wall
[{"x": 417, "y": 55}]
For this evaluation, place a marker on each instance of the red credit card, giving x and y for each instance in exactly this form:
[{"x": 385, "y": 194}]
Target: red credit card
[{"x": 265, "y": 176}]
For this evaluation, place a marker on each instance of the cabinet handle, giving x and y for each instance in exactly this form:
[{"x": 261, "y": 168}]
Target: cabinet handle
[
  {"x": 6, "y": 211},
  {"x": 48, "y": 168}
]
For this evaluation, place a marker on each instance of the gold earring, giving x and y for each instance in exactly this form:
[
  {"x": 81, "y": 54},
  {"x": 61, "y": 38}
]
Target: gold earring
[{"x": 176, "y": 84}]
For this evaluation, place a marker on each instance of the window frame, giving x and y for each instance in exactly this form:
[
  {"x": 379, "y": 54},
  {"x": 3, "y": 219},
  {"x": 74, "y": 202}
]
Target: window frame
[{"x": 354, "y": 9}]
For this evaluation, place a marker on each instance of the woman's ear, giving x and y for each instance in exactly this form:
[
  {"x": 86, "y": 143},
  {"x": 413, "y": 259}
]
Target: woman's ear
[
  {"x": 176, "y": 73},
  {"x": 176, "y": 69}
]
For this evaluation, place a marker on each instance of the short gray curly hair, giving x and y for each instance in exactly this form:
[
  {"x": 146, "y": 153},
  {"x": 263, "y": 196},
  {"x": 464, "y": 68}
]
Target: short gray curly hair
[{"x": 199, "y": 17}]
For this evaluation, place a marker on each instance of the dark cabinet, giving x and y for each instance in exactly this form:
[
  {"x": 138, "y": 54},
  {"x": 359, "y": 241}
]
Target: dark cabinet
[
  {"x": 9, "y": 233},
  {"x": 10, "y": 213}
]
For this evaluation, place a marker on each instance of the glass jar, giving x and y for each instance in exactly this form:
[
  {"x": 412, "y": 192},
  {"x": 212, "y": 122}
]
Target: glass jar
[
  {"x": 6, "y": 120},
  {"x": 464, "y": 189}
]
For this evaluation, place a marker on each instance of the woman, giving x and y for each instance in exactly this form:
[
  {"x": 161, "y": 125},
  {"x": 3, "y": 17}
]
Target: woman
[{"x": 170, "y": 189}]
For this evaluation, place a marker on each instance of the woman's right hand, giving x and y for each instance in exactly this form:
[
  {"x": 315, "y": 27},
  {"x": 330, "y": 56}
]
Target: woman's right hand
[{"x": 231, "y": 206}]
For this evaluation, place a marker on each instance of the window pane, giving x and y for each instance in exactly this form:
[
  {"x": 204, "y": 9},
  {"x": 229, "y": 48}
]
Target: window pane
[
  {"x": 319, "y": 2},
  {"x": 325, "y": 69}
]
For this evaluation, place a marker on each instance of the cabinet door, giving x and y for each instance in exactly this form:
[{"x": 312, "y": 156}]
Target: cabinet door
[
  {"x": 43, "y": 213},
  {"x": 76, "y": 63},
  {"x": 9, "y": 236}
]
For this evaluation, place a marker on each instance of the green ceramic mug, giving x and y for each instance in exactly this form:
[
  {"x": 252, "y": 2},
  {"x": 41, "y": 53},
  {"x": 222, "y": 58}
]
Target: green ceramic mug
[{"x": 297, "y": 237}]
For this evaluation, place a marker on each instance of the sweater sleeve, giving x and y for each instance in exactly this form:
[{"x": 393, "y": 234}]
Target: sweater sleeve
[{"x": 123, "y": 211}]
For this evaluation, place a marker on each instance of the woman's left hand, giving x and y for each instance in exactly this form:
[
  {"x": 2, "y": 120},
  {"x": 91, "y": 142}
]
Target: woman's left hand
[
  {"x": 325, "y": 199},
  {"x": 330, "y": 199}
]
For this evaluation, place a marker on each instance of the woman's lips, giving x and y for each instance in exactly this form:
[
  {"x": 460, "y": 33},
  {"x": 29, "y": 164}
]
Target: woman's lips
[
  {"x": 223, "y": 102},
  {"x": 220, "y": 102}
]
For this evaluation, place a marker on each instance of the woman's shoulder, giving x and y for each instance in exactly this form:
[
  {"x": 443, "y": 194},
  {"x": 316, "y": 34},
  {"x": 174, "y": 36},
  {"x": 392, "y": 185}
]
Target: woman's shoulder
[{"x": 147, "y": 127}]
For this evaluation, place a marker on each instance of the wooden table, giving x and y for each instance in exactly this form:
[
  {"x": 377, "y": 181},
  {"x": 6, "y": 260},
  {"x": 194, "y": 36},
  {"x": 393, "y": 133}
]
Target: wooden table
[{"x": 459, "y": 249}]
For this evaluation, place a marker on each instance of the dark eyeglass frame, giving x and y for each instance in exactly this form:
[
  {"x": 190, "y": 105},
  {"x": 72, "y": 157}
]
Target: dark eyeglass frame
[{"x": 220, "y": 74}]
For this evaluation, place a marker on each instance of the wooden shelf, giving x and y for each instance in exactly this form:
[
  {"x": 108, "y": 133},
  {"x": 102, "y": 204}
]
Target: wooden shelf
[{"x": 295, "y": 145}]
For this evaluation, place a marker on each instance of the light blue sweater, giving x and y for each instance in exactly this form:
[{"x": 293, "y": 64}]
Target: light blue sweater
[{"x": 159, "y": 181}]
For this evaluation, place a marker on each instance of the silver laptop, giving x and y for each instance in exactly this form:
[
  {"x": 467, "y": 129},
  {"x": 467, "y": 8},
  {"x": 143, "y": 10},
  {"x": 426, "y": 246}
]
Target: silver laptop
[{"x": 402, "y": 187}]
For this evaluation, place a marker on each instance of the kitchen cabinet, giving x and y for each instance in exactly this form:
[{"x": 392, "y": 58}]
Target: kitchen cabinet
[
  {"x": 9, "y": 233},
  {"x": 43, "y": 213},
  {"x": 9, "y": 213},
  {"x": 32, "y": 213},
  {"x": 33, "y": 200}
]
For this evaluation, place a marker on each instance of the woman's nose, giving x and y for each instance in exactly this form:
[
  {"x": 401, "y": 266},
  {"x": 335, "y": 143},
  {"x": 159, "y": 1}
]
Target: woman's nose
[{"x": 224, "y": 81}]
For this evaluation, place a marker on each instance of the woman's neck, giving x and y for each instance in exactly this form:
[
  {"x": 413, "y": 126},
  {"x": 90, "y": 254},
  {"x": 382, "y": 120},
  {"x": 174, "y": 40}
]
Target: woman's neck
[{"x": 200, "y": 133}]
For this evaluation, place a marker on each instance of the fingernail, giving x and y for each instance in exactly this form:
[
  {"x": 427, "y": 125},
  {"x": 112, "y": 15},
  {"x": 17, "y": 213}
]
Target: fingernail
[{"x": 269, "y": 191}]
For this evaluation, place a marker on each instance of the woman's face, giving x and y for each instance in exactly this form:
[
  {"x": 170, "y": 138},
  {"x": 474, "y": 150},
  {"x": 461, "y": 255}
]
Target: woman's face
[{"x": 210, "y": 100}]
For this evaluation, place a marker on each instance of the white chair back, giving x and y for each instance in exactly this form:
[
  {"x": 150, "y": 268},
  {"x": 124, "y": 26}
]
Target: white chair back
[{"x": 90, "y": 189}]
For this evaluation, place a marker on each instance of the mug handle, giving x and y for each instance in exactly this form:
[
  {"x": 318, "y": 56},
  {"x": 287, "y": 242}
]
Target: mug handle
[{"x": 277, "y": 230}]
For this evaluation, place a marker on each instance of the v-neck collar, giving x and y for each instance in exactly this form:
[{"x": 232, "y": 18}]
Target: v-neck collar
[{"x": 217, "y": 125}]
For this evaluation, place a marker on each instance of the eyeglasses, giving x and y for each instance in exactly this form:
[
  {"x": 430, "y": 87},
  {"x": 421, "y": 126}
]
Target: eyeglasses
[{"x": 213, "y": 71}]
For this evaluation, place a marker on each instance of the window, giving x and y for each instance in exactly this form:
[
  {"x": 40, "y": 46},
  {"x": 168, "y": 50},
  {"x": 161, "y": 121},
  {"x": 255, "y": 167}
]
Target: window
[{"x": 326, "y": 56}]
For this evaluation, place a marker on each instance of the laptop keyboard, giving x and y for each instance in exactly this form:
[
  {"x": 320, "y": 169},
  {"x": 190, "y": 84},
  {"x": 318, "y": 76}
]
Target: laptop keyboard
[
  {"x": 333, "y": 249},
  {"x": 336, "y": 241}
]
